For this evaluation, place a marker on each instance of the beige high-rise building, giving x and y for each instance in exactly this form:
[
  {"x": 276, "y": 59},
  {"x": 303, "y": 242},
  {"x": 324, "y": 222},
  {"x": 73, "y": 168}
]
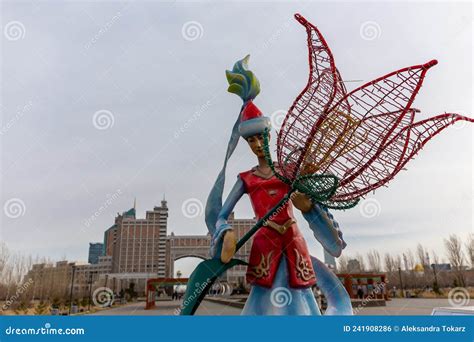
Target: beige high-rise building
[
  {"x": 135, "y": 251},
  {"x": 140, "y": 244}
]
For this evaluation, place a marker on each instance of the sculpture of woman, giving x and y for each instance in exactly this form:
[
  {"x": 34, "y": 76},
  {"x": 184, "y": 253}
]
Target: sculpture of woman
[
  {"x": 334, "y": 147},
  {"x": 280, "y": 268}
]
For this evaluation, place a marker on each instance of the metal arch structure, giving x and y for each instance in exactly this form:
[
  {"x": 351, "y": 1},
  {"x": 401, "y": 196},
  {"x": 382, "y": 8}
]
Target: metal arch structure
[{"x": 364, "y": 137}]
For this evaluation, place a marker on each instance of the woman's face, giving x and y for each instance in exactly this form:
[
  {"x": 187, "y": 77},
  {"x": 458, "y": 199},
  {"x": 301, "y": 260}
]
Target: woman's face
[{"x": 256, "y": 144}]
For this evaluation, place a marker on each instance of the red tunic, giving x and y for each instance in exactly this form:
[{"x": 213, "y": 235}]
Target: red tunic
[{"x": 269, "y": 245}]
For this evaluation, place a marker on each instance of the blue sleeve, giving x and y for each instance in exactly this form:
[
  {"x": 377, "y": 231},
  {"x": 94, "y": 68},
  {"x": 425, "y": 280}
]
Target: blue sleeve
[
  {"x": 325, "y": 229},
  {"x": 221, "y": 225}
]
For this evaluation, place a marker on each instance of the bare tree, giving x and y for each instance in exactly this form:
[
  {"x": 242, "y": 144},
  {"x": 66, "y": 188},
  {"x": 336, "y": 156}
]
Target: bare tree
[
  {"x": 389, "y": 263},
  {"x": 4, "y": 256},
  {"x": 455, "y": 256},
  {"x": 13, "y": 268},
  {"x": 360, "y": 260},
  {"x": 343, "y": 262},
  {"x": 397, "y": 262},
  {"x": 405, "y": 262},
  {"x": 435, "y": 272},
  {"x": 422, "y": 256},
  {"x": 435, "y": 257},
  {"x": 408, "y": 260},
  {"x": 470, "y": 248},
  {"x": 411, "y": 259},
  {"x": 374, "y": 261}
]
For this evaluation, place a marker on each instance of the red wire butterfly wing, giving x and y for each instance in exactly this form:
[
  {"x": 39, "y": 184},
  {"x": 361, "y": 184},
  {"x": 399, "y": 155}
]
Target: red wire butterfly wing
[
  {"x": 327, "y": 131},
  {"x": 405, "y": 145},
  {"x": 423, "y": 131},
  {"x": 379, "y": 110},
  {"x": 324, "y": 87},
  {"x": 363, "y": 138}
]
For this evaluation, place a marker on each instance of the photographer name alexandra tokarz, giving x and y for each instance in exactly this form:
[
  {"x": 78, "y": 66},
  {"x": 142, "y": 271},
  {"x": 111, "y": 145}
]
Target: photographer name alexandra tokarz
[{"x": 432, "y": 328}]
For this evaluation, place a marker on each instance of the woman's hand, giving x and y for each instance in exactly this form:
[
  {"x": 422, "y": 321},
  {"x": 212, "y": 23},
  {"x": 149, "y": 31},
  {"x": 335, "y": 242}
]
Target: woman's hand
[
  {"x": 301, "y": 201},
  {"x": 228, "y": 246}
]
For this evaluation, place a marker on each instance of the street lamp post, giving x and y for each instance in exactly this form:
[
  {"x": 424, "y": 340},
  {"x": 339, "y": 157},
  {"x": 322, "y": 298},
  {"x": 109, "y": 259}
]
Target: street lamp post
[
  {"x": 72, "y": 287},
  {"x": 90, "y": 291}
]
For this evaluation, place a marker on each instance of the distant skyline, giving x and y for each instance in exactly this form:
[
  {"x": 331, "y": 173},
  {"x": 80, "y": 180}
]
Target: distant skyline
[{"x": 102, "y": 103}]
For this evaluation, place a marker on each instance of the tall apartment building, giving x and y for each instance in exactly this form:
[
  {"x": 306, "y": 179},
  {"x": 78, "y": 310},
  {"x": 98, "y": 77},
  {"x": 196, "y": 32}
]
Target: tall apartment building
[
  {"x": 96, "y": 250},
  {"x": 140, "y": 244},
  {"x": 110, "y": 237}
]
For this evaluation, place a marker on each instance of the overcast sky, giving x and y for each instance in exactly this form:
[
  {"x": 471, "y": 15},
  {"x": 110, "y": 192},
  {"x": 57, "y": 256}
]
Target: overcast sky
[{"x": 105, "y": 102}]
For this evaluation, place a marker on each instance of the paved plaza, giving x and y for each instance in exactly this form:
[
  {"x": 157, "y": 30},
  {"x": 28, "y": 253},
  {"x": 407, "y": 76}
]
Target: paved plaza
[
  {"x": 170, "y": 308},
  {"x": 395, "y": 307}
]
